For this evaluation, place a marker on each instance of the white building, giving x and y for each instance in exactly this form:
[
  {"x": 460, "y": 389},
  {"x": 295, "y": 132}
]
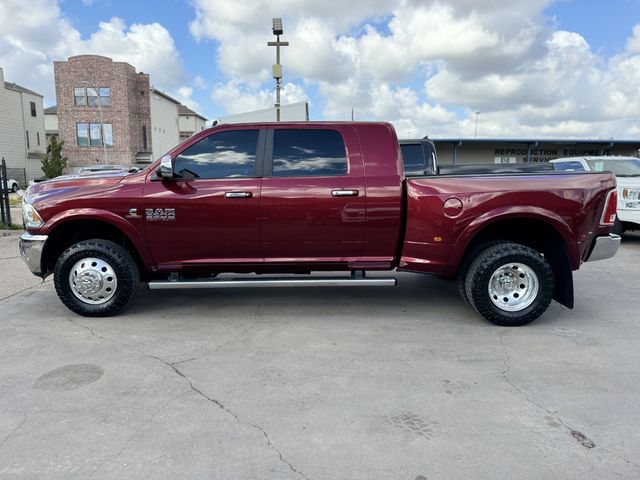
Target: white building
[
  {"x": 164, "y": 123},
  {"x": 292, "y": 112},
  {"x": 22, "y": 134},
  {"x": 190, "y": 122}
]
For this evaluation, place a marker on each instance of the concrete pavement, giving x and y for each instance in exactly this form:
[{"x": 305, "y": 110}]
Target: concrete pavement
[{"x": 401, "y": 383}]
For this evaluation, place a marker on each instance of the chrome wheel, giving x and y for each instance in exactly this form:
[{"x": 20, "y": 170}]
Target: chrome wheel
[
  {"x": 513, "y": 287},
  {"x": 93, "y": 281}
]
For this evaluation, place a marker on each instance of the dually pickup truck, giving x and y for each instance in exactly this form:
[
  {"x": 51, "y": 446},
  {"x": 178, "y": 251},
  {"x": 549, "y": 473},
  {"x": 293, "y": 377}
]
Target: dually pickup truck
[{"x": 275, "y": 199}]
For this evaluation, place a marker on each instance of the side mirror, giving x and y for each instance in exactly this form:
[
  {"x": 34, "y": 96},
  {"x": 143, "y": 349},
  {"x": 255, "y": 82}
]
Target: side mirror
[{"x": 165, "y": 170}]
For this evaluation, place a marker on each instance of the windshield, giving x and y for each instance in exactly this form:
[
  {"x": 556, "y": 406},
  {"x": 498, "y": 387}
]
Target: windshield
[{"x": 627, "y": 167}]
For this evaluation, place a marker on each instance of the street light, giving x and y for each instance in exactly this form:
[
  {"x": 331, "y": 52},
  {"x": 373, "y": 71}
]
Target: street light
[
  {"x": 104, "y": 146},
  {"x": 476, "y": 133},
  {"x": 277, "y": 68}
]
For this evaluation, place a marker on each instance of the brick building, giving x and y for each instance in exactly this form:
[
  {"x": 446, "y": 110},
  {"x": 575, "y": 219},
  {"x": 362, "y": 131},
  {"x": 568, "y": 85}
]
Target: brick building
[{"x": 90, "y": 86}]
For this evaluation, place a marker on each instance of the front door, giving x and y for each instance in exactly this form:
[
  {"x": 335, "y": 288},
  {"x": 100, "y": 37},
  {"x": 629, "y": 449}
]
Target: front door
[{"x": 212, "y": 218}]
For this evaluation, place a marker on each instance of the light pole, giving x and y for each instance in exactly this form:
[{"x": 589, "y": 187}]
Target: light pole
[
  {"x": 104, "y": 145},
  {"x": 477, "y": 113},
  {"x": 277, "y": 68}
]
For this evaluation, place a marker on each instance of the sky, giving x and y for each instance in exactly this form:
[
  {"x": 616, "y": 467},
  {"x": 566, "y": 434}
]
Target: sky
[{"x": 521, "y": 68}]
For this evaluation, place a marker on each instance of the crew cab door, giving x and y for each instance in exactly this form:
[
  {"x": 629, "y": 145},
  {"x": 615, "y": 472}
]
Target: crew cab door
[
  {"x": 313, "y": 195},
  {"x": 214, "y": 217}
]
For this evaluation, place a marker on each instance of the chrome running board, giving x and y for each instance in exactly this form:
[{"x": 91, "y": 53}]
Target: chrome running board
[{"x": 273, "y": 282}]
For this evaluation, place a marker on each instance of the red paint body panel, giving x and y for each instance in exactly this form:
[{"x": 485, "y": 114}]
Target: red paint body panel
[
  {"x": 295, "y": 224},
  {"x": 570, "y": 203}
]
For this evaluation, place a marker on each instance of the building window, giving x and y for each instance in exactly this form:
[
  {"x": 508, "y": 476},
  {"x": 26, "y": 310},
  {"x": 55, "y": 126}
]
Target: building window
[
  {"x": 33, "y": 108},
  {"x": 82, "y": 133},
  {"x": 92, "y": 97},
  {"x": 80, "y": 96},
  {"x": 28, "y": 147},
  {"x": 38, "y": 137},
  {"x": 144, "y": 138},
  {"x": 88, "y": 135}
]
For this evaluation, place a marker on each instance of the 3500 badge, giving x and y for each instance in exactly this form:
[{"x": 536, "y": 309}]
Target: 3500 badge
[{"x": 160, "y": 214}]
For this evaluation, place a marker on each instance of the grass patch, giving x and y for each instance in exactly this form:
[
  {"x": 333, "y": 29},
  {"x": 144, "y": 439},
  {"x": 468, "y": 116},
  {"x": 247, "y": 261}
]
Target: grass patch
[
  {"x": 15, "y": 202},
  {"x": 6, "y": 226}
]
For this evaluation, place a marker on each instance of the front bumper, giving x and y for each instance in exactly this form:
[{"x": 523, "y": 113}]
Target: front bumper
[
  {"x": 629, "y": 215},
  {"x": 31, "y": 247},
  {"x": 604, "y": 247}
]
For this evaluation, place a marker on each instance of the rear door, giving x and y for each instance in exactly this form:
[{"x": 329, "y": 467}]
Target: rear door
[{"x": 313, "y": 195}]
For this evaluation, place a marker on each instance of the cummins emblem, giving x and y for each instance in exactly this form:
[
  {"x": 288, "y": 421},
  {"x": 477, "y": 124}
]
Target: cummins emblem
[{"x": 160, "y": 214}]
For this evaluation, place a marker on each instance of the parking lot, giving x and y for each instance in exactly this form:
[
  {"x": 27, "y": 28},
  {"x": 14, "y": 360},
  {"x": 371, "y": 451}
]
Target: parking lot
[{"x": 396, "y": 383}]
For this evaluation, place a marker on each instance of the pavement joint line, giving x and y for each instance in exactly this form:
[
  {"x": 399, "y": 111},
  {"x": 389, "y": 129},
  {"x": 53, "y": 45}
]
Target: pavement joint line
[
  {"x": 8, "y": 297},
  {"x": 576, "y": 434}
]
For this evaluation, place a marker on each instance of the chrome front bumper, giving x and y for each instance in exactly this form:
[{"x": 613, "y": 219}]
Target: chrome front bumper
[
  {"x": 604, "y": 247},
  {"x": 31, "y": 247}
]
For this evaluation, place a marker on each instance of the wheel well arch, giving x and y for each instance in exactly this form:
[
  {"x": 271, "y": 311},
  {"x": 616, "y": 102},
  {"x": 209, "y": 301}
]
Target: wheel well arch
[
  {"x": 539, "y": 235},
  {"x": 73, "y": 231}
]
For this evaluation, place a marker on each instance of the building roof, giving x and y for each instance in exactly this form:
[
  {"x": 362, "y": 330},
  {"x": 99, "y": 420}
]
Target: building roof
[
  {"x": 17, "y": 88},
  {"x": 590, "y": 141},
  {"x": 184, "y": 110},
  {"x": 53, "y": 109},
  {"x": 164, "y": 95}
]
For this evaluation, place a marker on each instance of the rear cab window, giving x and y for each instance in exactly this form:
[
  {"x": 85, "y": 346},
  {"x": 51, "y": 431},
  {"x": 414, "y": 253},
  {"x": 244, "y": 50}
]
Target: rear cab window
[{"x": 308, "y": 153}]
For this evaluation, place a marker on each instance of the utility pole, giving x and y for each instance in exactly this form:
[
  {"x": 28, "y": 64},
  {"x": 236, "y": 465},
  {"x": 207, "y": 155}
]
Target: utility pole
[
  {"x": 277, "y": 68},
  {"x": 104, "y": 146},
  {"x": 477, "y": 113}
]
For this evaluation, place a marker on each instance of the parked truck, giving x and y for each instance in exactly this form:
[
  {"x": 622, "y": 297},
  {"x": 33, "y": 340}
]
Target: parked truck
[
  {"x": 627, "y": 172},
  {"x": 272, "y": 199}
]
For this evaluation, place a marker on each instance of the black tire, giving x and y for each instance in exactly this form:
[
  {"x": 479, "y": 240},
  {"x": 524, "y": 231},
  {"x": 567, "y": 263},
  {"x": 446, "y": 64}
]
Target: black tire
[
  {"x": 15, "y": 188},
  {"x": 525, "y": 260},
  {"x": 125, "y": 272},
  {"x": 465, "y": 263},
  {"x": 618, "y": 227}
]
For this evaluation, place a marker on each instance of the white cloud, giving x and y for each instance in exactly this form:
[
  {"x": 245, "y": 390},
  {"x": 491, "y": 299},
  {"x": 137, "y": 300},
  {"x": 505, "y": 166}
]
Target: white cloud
[
  {"x": 236, "y": 97},
  {"x": 427, "y": 65},
  {"x": 34, "y": 34}
]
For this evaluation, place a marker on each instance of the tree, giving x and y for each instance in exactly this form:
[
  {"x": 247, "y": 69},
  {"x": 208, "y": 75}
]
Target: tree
[{"x": 53, "y": 164}]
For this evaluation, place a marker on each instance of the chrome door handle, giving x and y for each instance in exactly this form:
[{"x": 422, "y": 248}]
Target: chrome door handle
[
  {"x": 238, "y": 195},
  {"x": 344, "y": 193}
]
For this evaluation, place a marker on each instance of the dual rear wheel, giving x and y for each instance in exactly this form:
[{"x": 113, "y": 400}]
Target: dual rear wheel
[{"x": 507, "y": 283}]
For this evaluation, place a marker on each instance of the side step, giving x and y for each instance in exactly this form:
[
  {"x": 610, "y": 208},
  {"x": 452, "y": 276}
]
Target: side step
[{"x": 273, "y": 282}]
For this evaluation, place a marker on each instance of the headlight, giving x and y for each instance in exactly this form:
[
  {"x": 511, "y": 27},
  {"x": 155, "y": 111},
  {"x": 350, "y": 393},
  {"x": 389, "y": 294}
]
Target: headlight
[
  {"x": 631, "y": 197},
  {"x": 30, "y": 216}
]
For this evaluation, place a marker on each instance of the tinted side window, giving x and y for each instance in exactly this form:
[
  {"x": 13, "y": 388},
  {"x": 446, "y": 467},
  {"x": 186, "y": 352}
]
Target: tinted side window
[
  {"x": 221, "y": 155},
  {"x": 413, "y": 159},
  {"x": 308, "y": 153},
  {"x": 564, "y": 166}
]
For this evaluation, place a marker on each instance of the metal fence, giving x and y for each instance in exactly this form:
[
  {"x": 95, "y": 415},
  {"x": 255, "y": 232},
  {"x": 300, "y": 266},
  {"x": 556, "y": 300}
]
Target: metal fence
[{"x": 5, "y": 208}]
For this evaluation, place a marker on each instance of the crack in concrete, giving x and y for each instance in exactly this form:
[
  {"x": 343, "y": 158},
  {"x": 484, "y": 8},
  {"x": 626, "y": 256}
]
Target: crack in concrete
[
  {"x": 217, "y": 403},
  {"x": 237, "y": 418},
  {"x": 3, "y": 299},
  {"x": 12, "y": 433},
  {"x": 135, "y": 433},
  {"x": 576, "y": 434}
]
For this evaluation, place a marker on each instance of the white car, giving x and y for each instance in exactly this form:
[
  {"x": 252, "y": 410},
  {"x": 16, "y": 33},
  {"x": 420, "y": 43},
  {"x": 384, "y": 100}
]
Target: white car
[
  {"x": 627, "y": 172},
  {"x": 12, "y": 185}
]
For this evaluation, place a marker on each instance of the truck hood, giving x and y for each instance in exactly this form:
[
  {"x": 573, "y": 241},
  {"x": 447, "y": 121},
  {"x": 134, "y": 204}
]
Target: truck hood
[
  {"x": 628, "y": 181},
  {"x": 65, "y": 185}
]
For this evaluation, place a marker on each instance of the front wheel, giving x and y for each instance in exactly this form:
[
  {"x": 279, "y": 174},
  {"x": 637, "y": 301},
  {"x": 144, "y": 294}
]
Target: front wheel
[
  {"x": 96, "y": 278},
  {"x": 510, "y": 284},
  {"x": 15, "y": 188}
]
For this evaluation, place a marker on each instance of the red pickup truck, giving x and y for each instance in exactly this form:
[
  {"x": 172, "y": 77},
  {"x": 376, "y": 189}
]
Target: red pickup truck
[{"x": 297, "y": 198}]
